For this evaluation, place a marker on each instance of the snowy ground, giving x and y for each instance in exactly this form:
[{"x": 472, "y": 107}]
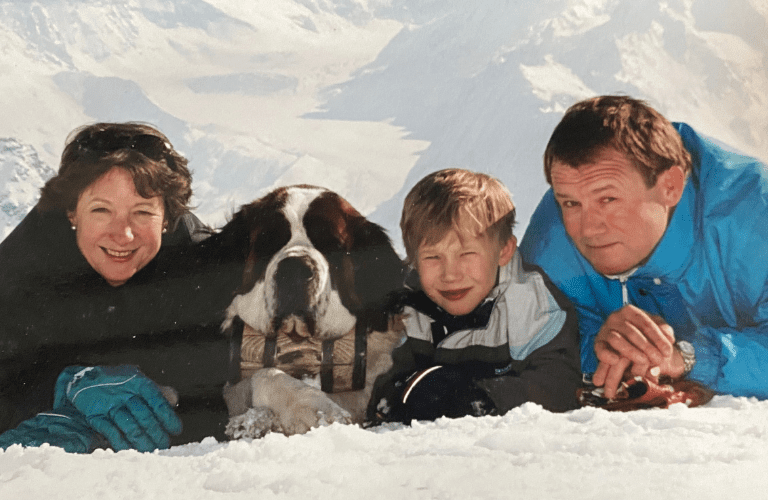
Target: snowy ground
[{"x": 716, "y": 451}]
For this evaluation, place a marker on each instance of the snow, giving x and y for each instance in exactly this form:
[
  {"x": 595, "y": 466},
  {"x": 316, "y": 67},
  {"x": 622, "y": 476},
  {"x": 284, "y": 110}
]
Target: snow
[
  {"x": 716, "y": 451},
  {"x": 366, "y": 97}
]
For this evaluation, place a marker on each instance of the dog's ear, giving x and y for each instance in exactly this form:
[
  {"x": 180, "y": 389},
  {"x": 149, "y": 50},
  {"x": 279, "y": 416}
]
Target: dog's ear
[
  {"x": 250, "y": 219},
  {"x": 369, "y": 267},
  {"x": 227, "y": 243},
  {"x": 379, "y": 273},
  {"x": 266, "y": 231}
]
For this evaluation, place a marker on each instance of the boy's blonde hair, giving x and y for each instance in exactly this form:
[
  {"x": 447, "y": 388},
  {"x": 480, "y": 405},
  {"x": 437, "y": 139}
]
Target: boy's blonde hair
[{"x": 471, "y": 203}]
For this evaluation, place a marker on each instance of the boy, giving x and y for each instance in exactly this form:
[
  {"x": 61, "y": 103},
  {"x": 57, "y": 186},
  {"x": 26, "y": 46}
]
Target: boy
[{"x": 485, "y": 332}]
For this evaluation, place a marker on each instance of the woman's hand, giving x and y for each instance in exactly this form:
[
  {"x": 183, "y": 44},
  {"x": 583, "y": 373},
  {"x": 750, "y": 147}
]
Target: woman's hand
[{"x": 64, "y": 427}]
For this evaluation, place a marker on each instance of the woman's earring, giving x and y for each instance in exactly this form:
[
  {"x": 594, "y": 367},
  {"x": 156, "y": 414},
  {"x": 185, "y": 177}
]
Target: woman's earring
[
  {"x": 74, "y": 227},
  {"x": 165, "y": 230}
]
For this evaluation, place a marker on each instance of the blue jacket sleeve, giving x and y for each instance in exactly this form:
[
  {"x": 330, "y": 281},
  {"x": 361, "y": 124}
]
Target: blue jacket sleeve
[{"x": 733, "y": 361}]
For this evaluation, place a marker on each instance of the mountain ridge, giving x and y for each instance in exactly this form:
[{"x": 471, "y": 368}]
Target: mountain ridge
[{"x": 367, "y": 96}]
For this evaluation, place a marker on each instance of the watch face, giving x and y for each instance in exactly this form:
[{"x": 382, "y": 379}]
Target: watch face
[
  {"x": 686, "y": 347},
  {"x": 688, "y": 354}
]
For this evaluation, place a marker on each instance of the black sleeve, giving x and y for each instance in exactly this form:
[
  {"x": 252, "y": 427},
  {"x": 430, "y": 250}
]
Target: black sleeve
[{"x": 40, "y": 247}]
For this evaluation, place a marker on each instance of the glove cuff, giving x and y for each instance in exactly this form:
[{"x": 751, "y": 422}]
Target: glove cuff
[{"x": 63, "y": 382}]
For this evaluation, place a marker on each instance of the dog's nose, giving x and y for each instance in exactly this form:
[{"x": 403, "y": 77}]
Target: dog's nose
[
  {"x": 293, "y": 270},
  {"x": 293, "y": 280}
]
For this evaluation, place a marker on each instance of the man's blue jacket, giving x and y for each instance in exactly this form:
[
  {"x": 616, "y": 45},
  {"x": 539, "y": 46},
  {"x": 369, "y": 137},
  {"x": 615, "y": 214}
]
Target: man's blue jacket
[{"x": 708, "y": 276}]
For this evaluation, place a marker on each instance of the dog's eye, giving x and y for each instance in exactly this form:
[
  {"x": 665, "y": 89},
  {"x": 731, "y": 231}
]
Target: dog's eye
[
  {"x": 323, "y": 235},
  {"x": 274, "y": 235}
]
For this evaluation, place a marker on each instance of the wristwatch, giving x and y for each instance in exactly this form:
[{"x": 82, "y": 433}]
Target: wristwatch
[{"x": 688, "y": 354}]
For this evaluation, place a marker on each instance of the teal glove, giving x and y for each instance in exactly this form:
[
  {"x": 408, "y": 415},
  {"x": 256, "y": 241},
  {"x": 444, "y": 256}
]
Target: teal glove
[
  {"x": 64, "y": 427},
  {"x": 120, "y": 403}
]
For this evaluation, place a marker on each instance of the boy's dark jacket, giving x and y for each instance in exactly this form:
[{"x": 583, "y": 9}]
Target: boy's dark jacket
[
  {"x": 521, "y": 344},
  {"x": 57, "y": 311}
]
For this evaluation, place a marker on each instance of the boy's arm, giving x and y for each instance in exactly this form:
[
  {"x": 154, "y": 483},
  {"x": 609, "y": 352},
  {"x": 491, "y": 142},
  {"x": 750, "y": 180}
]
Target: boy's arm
[{"x": 549, "y": 376}]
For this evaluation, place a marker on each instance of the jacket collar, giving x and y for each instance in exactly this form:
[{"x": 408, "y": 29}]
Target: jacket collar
[{"x": 671, "y": 256}]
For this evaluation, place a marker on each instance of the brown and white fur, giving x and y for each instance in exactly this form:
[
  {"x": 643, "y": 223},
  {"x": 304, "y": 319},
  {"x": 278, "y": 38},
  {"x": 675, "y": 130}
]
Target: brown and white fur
[{"x": 315, "y": 270}]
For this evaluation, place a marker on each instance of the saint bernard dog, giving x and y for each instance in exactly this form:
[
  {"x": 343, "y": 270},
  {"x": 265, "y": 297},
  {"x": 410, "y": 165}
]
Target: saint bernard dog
[{"x": 313, "y": 323}]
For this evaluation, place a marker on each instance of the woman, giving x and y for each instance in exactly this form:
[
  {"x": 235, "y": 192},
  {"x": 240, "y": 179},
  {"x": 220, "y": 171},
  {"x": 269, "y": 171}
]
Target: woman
[{"x": 86, "y": 284}]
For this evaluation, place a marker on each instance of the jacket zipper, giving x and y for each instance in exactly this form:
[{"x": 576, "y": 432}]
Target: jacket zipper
[{"x": 623, "y": 280}]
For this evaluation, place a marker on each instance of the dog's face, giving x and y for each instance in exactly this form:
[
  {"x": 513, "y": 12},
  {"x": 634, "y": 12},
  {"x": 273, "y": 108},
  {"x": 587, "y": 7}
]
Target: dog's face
[{"x": 314, "y": 267}]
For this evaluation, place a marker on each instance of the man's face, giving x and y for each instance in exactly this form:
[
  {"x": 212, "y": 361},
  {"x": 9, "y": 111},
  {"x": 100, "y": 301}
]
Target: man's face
[
  {"x": 613, "y": 218},
  {"x": 458, "y": 272}
]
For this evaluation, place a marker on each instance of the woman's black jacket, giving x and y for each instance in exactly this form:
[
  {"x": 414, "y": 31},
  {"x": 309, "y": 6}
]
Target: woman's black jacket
[{"x": 56, "y": 311}]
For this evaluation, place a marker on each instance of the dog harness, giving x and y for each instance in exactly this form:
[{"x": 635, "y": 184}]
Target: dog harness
[{"x": 339, "y": 363}]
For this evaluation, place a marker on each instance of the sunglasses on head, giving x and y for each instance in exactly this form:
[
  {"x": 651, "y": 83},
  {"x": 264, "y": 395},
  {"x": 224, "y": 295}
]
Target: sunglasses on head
[{"x": 106, "y": 142}]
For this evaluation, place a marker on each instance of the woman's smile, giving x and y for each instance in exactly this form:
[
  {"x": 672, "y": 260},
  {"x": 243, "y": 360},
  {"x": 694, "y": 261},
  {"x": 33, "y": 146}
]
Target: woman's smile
[{"x": 118, "y": 254}]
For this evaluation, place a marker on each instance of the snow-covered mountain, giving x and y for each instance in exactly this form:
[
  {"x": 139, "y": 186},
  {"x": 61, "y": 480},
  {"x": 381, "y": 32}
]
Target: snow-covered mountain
[
  {"x": 21, "y": 174},
  {"x": 364, "y": 96}
]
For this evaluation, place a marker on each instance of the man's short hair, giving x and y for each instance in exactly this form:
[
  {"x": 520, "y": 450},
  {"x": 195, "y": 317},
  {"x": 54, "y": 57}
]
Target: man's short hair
[
  {"x": 627, "y": 125},
  {"x": 470, "y": 203}
]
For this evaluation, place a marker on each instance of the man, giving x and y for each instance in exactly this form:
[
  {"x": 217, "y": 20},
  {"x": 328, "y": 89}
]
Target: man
[{"x": 660, "y": 238}]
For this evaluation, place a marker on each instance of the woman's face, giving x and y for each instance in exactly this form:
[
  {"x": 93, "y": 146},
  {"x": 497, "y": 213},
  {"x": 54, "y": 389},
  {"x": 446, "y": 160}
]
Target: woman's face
[{"x": 118, "y": 231}]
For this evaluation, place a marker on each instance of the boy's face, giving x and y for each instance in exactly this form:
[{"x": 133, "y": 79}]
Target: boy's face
[{"x": 457, "y": 273}]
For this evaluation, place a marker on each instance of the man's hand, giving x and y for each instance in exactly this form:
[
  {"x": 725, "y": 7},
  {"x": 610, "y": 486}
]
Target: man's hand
[{"x": 636, "y": 340}]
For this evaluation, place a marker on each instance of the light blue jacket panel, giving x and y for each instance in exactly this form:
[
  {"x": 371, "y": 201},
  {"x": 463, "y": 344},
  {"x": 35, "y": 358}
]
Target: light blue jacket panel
[{"x": 708, "y": 277}]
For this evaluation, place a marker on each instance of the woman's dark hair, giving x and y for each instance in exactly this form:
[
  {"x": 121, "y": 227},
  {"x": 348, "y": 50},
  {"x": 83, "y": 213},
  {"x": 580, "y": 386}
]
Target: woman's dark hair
[
  {"x": 140, "y": 149},
  {"x": 625, "y": 124}
]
